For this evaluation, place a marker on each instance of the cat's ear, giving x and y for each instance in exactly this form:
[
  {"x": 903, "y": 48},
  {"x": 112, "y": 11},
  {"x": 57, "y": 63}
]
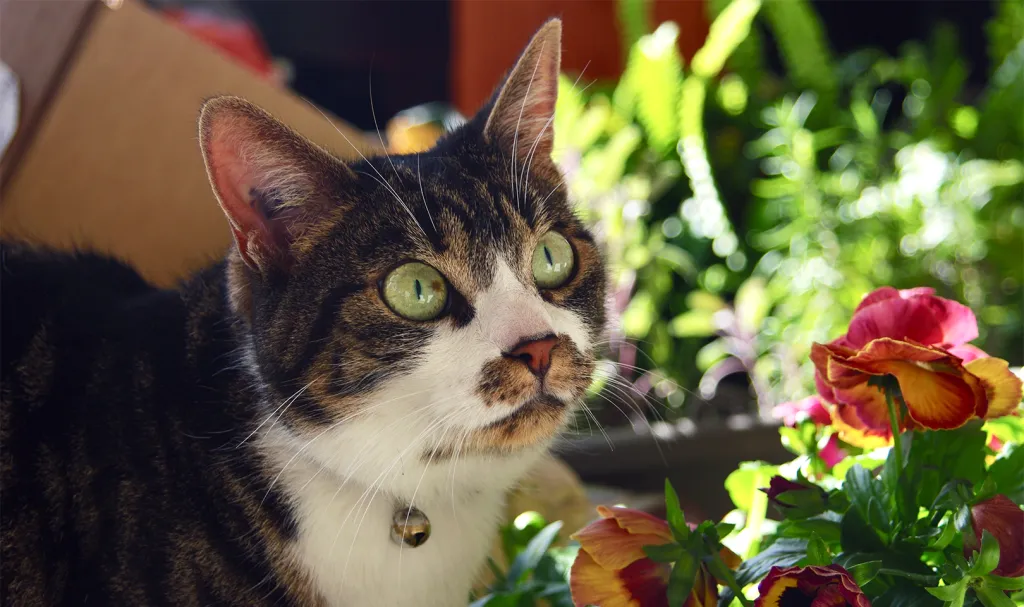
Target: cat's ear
[
  {"x": 521, "y": 118},
  {"x": 271, "y": 182}
]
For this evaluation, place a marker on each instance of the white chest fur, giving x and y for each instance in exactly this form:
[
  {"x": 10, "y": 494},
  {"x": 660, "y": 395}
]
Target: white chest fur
[{"x": 344, "y": 530}]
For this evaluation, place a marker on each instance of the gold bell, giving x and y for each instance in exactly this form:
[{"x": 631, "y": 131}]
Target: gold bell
[{"x": 410, "y": 526}]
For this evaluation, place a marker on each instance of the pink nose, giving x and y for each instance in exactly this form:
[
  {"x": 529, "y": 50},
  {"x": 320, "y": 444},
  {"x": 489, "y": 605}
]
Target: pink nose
[{"x": 535, "y": 353}]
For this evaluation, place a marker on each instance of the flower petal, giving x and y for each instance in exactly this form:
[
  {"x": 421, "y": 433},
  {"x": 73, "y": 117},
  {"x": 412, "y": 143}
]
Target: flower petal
[
  {"x": 1002, "y": 387},
  {"x": 592, "y": 584},
  {"x": 704, "y": 592},
  {"x": 884, "y": 293},
  {"x": 853, "y": 431},
  {"x": 868, "y": 403},
  {"x": 936, "y": 400},
  {"x": 920, "y": 317},
  {"x": 611, "y": 546},
  {"x": 832, "y": 453},
  {"x": 966, "y": 352},
  {"x": 793, "y": 412},
  {"x": 636, "y": 521}
]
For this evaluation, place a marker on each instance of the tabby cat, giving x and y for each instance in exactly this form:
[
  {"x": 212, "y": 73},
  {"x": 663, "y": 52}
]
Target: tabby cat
[{"x": 398, "y": 331}]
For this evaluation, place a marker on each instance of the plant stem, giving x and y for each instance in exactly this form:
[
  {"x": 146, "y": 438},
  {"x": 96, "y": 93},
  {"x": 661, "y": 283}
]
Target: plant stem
[
  {"x": 894, "y": 423},
  {"x": 730, "y": 581}
]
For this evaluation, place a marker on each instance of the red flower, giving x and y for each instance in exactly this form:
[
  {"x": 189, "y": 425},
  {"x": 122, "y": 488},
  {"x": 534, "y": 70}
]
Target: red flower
[
  {"x": 921, "y": 340},
  {"x": 829, "y": 586},
  {"x": 612, "y": 569},
  {"x": 1005, "y": 521}
]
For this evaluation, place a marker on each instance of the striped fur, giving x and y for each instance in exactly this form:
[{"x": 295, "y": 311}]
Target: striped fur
[{"x": 244, "y": 439}]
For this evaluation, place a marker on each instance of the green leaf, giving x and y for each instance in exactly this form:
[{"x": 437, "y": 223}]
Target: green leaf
[
  {"x": 988, "y": 558},
  {"x": 1005, "y": 583},
  {"x": 856, "y": 535},
  {"x": 752, "y": 304},
  {"x": 656, "y": 73},
  {"x": 727, "y": 31},
  {"x": 680, "y": 583},
  {"x": 1005, "y": 473},
  {"x": 962, "y": 518},
  {"x": 784, "y": 552},
  {"x": 992, "y": 597},
  {"x": 695, "y": 323},
  {"x": 817, "y": 552},
  {"x": 724, "y": 529},
  {"x": 804, "y": 48},
  {"x": 676, "y": 518},
  {"x": 952, "y": 593},
  {"x": 792, "y": 440},
  {"x": 666, "y": 553},
  {"x": 743, "y": 482},
  {"x": 944, "y": 538},
  {"x": 1009, "y": 429},
  {"x": 825, "y": 526},
  {"x": 906, "y": 595},
  {"x": 865, "y": 572},
  {"x": 527, "y": 560}
]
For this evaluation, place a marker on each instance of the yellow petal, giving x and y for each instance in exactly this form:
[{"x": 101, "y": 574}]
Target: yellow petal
[
  {"x": 592, "y": 584},
  {"x": 1002, "y": 387}
]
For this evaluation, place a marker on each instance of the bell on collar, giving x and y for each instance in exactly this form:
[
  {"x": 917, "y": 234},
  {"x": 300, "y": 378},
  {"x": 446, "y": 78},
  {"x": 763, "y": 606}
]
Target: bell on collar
[{"x": 410, "y": 526}]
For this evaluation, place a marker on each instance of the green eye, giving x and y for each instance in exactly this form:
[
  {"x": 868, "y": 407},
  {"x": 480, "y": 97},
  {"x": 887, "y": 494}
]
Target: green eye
[
  {"x": 552, "y": 261},
  {"x": 416, "y": 291}
]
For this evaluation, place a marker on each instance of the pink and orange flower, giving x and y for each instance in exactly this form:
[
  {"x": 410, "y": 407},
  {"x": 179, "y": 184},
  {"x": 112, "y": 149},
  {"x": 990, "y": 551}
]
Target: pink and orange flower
[
  {"x": 920, "y": 340},
  {"x": 829, "y": 586},
  {"x": 612, "y": 569}
]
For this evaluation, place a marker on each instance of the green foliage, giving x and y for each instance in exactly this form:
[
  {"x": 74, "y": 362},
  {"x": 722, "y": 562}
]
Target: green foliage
[
  {"x": 785, "y": 197},
  {"x": 538, "y": 569}
]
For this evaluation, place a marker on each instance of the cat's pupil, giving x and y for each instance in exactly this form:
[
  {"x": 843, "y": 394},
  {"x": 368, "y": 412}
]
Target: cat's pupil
[
  {"x": 547, "y": 255},
  {"x": 419, "y": 289}
]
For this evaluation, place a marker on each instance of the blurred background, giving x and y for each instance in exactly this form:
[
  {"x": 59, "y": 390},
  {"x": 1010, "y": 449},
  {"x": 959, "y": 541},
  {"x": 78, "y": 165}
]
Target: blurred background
[{"x": 750, "y": 180}]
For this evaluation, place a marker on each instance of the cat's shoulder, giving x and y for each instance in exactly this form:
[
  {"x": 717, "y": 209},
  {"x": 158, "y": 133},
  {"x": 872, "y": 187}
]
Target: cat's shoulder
[{"x": 31, "y": 270}]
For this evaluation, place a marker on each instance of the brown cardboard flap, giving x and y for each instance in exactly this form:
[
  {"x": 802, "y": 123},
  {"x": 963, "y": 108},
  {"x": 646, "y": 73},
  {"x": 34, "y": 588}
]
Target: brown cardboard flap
[{"x": 115, "y": 163}]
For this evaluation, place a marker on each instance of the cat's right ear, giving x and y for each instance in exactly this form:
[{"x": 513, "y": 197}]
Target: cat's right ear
[{"x": 271, "y": 182}]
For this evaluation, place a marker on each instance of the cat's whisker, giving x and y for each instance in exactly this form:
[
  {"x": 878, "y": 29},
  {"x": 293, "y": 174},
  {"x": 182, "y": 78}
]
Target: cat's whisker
[
  {"x": 373, "y": 112},
  {"x": 515, "y": 137},
  {"x": 426, "y": 207},
  {"x": 378, "y": 483},
  {"x": 600, "y": 428},
  {"x": 540, "y": 135},
  {"x": 382, "y": 181},
  {"x": 287, "y": 402}
]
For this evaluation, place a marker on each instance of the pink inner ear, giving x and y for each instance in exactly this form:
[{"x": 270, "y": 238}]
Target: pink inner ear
[{"x": 234, "y": 181}]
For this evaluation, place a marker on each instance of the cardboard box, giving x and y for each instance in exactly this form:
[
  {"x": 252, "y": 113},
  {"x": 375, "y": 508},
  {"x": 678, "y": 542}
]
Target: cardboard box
[{"x": 106, "y": 156}]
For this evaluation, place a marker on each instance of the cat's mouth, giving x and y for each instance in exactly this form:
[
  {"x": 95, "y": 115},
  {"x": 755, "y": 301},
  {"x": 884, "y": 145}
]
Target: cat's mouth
[{"x": 542, "y": 404}]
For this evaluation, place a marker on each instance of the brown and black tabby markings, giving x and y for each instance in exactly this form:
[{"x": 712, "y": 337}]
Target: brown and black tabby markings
[{"x": 127, "y": 477}]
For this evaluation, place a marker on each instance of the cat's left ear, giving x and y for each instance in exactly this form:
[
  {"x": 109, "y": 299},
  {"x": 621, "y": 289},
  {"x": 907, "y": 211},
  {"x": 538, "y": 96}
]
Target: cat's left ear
[
  {"x": 522, "y": 115},
  {"x": 272, "y": 183}
]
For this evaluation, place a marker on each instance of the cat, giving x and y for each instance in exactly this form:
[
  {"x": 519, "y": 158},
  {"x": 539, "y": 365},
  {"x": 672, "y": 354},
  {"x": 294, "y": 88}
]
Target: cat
[{"x": 397, "y": 331}]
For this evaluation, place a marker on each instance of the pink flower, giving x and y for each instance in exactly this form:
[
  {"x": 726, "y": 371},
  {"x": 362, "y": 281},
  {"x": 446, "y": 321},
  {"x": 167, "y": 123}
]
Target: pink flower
[
  {"x": 794, "y": 412},
  {"x": 832, "y": 453},
  {"x": 921, "y": 341}
]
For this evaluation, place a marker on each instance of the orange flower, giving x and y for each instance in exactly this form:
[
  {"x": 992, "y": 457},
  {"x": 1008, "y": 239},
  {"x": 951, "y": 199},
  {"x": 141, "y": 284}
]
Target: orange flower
[
  {"x": 920, "y": 340},
  {"x": 612, "y": 569},
  {"x": 829, "y": 586}
]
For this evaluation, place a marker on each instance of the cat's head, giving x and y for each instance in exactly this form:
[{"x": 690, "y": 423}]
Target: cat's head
[{"x": 452, "y": 293}]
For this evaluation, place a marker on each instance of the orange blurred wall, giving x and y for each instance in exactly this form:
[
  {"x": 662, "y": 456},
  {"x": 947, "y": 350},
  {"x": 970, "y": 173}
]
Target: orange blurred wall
[{"x": 487, "y": 36}]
